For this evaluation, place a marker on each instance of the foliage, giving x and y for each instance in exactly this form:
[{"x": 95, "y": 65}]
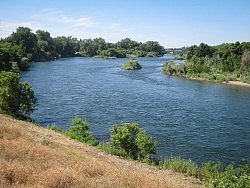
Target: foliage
[
  {"x": 170, "y": 68},
  {"x": 109, "y": 148},
  {"x": 221, "y": 63},
  {"x": 134, "y": 140},
  {"x": 180, "y": 165},
  {"x": 80, "y": 130},
  {"x": 213, "y": 174},
  {"x": 16, "y": 99},
  {"x": 246, "y": 59},
  {"x": 216, "y": 176},
  {"x": 23, "y": 47},
  {"x": 132, "y": 64},
  {"x": 26, "y": 39},
  {"x": 112, "y": 52}
]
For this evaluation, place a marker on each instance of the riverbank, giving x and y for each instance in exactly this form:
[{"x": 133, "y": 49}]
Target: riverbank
[
  {"x": 32, "y": 156},
  {"x": 237, "y": 83}
]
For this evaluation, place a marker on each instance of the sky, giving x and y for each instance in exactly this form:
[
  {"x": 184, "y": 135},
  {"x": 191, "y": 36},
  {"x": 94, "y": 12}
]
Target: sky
[{"x": 173, "y": 23}]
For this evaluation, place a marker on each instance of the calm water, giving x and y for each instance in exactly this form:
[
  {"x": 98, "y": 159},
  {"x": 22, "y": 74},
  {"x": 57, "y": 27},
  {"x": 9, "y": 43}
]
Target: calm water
[{"x": 195, "y": 120}]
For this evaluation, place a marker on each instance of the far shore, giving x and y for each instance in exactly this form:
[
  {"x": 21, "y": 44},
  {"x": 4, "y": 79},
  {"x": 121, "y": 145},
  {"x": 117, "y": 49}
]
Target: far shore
[
  {"x": 235, "y": 83},
  {"x": 238, "y": 83}
]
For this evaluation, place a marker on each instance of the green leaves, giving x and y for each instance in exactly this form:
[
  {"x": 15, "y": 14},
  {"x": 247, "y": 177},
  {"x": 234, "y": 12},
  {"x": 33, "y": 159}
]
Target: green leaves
[
  {"x": 16, "y": 99},
  {"x": 134, "y": 140},
  {"x": 80, "y": 130},
  {"x": 132, "y": 64}
]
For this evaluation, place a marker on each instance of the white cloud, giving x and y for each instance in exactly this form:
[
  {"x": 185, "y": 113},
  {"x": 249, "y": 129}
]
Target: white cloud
[
  {"x": 58, "y": 23},
  {"x": 58, "y": 17},
  {"x": 8, "y": 27}
]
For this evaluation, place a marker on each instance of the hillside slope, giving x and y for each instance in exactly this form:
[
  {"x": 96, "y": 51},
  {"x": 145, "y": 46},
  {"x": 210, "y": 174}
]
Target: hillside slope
[{"x": 32, "y": 156}]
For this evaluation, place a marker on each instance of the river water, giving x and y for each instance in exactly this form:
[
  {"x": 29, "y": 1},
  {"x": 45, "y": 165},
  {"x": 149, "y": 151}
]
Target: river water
[{"x": 196, "y": 120}]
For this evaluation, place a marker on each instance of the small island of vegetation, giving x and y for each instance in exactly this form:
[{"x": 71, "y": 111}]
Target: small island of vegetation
[{"x": 132, "y": 64}]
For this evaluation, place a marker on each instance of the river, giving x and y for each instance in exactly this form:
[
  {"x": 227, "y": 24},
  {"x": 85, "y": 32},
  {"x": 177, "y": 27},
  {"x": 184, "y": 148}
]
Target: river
[{"x": 196, "y": 120}]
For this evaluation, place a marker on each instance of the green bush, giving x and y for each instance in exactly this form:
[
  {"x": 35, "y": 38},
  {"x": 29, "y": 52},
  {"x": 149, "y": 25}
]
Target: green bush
[
  {"x": 80, "y": 130},
  {"x": 214, "y": 175},
  {"x": 134, "y": 140},
  {"x": 16, "y": 99},
  {"x": 132, "y": 64}
]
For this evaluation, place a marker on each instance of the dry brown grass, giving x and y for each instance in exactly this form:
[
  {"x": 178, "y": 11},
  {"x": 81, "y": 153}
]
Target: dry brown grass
[{"x": 31, "y": 156}]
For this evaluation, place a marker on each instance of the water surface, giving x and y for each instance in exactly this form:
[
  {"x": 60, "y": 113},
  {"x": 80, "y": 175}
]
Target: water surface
[{"x": 195, "y": 120}]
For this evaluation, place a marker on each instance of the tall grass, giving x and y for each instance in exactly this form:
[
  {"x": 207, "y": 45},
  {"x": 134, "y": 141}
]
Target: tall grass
[{"x": 180, "y": 165}]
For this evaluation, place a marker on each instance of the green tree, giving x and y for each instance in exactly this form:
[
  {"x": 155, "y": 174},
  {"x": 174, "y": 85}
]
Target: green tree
[
  {"x": 66, "y": 46},
  {"x": 16, "y": 99},
  {"x": 27, "y": 40},
  {"x": 153, "y": 46},
  {"x": 245, "y": 59},
  {"x": 46, "y": 47},
  {"x": 80, "y": 130},
  {"x": 134, "y": 140},
  {"x": 127, "y": 44}
]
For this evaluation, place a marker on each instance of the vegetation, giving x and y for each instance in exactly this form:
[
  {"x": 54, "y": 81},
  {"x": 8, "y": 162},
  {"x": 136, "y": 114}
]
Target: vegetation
[
  {"x": 221, "y": 63},
  {"x": 31, "y": 156},
  {"x": 80, "y": 130},
  {"x": 62, "y": 162},
  {"x": 211, "y": 173},
  {"x": 133, "y": 140},
  {"x": 180, "y": 165},
  {"x": 16, "y": 99},
  {"x": 23, "y": 47},
  {"x": 132, "y": 64}
]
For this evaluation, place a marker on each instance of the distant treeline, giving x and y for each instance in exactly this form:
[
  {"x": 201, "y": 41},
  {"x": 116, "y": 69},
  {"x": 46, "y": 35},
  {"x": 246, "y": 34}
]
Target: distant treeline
[
  {"x": 23, "y": 46},
  {"x": 224, "y": 62}
]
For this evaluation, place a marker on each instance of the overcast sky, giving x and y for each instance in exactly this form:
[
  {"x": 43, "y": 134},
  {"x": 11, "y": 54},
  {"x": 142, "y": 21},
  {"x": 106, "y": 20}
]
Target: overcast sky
[{"x": 174, "y": 23}]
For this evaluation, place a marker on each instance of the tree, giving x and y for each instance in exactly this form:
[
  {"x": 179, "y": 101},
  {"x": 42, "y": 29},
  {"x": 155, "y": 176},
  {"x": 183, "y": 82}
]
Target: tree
[
  {"x": 16, "y": 99},
  {"x": 66, "y": 46},
  {"x": 27, "y": 40},
  {"x": 46, "y": 47},
  {"x": 134, "y": 140},
  {"x": 127, "y": 44},
  {"x": 80, "y": 130},
  {"x": 153, "y": 46},
  {"x": 246, "y": 59}
]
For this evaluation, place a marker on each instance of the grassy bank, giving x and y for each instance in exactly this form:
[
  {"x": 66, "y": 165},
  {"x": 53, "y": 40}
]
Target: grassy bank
[
  {"x": 183, "y": 70},
  {"x": 32, "y": 156}
]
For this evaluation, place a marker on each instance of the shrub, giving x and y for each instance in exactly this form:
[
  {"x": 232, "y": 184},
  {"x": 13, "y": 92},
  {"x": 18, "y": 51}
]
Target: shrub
[
  {"x": 134, "y": 140},
  {"x": 80, "y": 130},
  {"x": 216, "y": 176},
  {"x": 16, "y": 99},
  {"x": 132, "y": 64}
]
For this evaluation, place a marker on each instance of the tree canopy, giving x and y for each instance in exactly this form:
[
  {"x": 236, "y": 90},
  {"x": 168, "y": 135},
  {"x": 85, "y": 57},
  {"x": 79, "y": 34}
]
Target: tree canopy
[
  {"x": 16, "y": 99},
  {"x": 223, "y": 62},
  {"x": 134, "y": 140},
  {"x": 23, "y": 47}
]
